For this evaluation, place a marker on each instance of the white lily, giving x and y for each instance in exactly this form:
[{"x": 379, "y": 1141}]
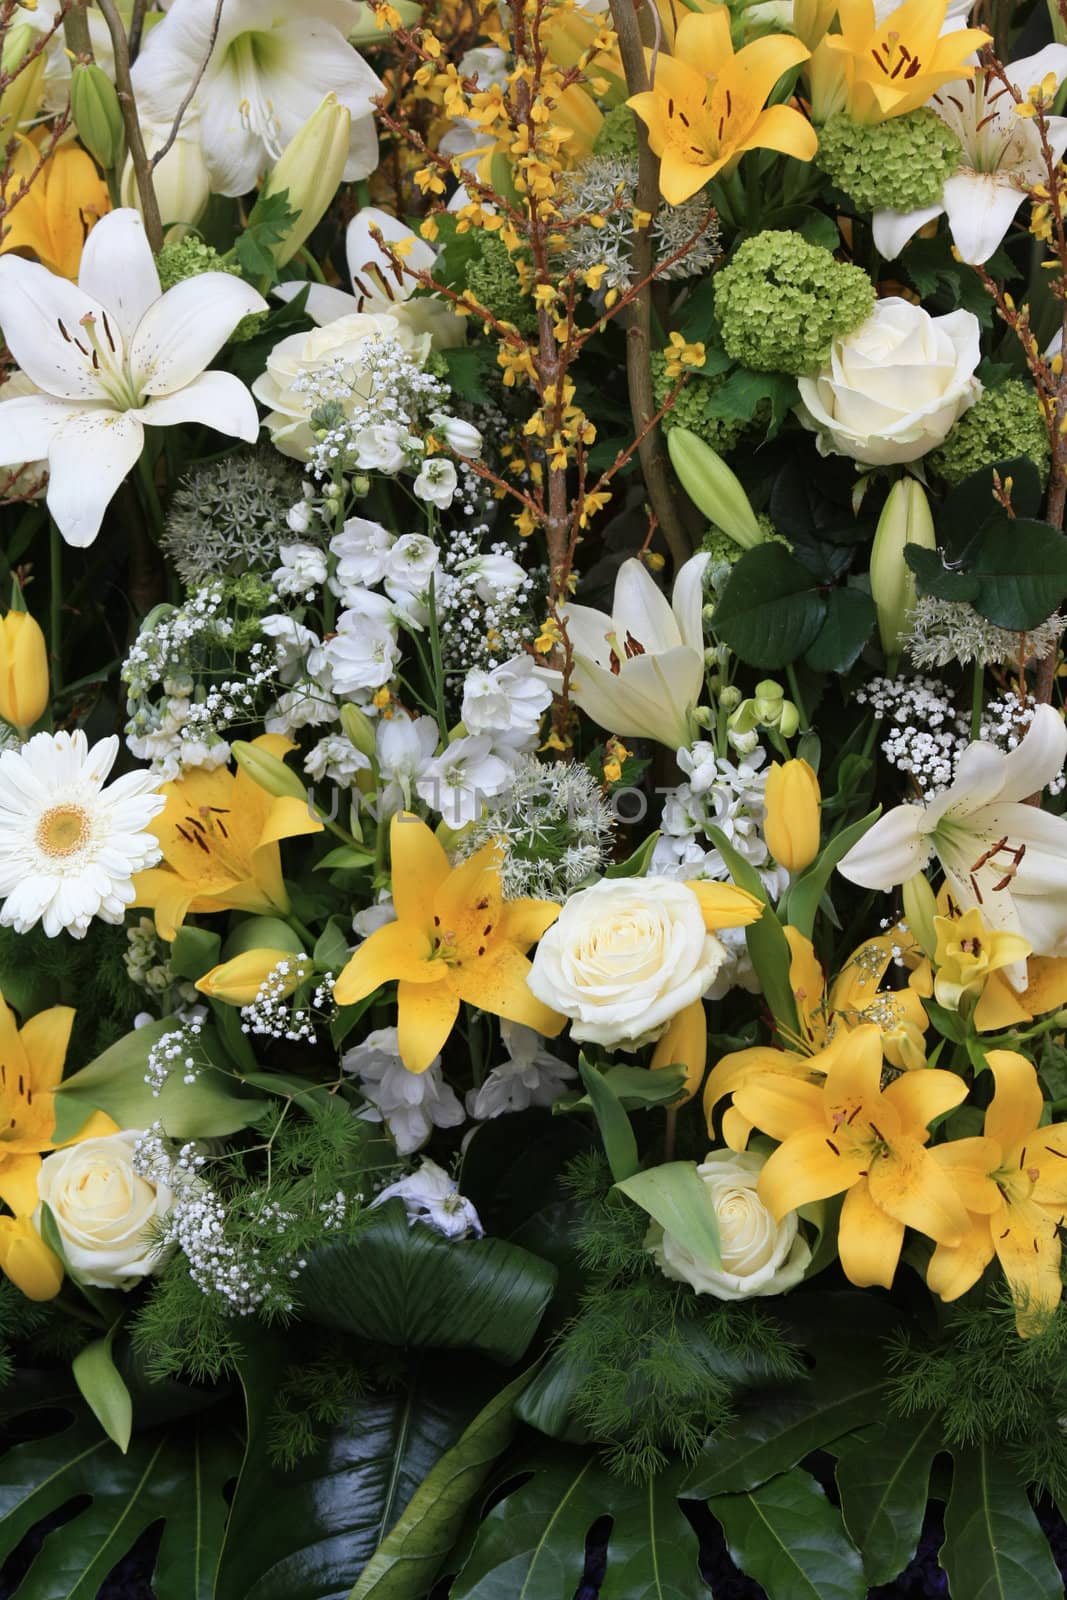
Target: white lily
[
  {"x": 271, "y": 65},
  {"x": 112, "y": 355},
  {"x": 1002, "y": 159},
  {"x": 1005, "y": 858},
  {"x": 639, "y": 672}
]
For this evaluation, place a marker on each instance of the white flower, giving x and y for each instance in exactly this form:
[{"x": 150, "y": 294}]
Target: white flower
[
  {"x": 462, "y": 437},
  {"x": 640, "y": 671},
  {"x": 337, "y": 759},
  {"x": 69, "y": 846},
  {"x": 506, "y": 702},
  {"x": 532, "y": 1076},
  {"x": 410, "y": 565},
  {"x": 1006, "y": 858},
  {"x": 363, "y": 653},
  {"x": 21, "y": 480},
  {"x": 1002, "y": 159},
  {"x": 431, "y": 1196},
  {"x": 436, "y": 483},
  {"x": 891, "y": 390},
  {"x": 302, "y": 570},
  {"x": 112, "y": 355},
  {"x": 624, "y": 957},
  {"x": 404, "y": 748},
  {"x": 268, "y": 71},
  {"x": 304, "y": 706},
  {"x": 181, "y": 180},
  {"x": 461, "y": 778},
  {"x": 383, "y": 447},
  {"x": 362, "y": 551},
  {"x": 369, "y": 920},
  {"x": 292, "y": 643},
  {"x": 104, "y": 1210},
  {"x": 759, "y": 1256},
  {"x": 411, "y": 1104},
  {"x": 496, "y": 578}
]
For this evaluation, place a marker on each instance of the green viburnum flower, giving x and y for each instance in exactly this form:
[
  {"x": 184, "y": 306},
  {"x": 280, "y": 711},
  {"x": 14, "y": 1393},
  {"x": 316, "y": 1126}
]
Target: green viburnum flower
[
  {"x": 494, "y": 281},
  {"x": 782, "y": 302},
  {"x": 688, "y": 411},
  {"x": 618, "y": 133},
  {"x": 1004, "y": 423},
  {"x": 188, "y": 258},
  {"x": 897, "y": 165}
]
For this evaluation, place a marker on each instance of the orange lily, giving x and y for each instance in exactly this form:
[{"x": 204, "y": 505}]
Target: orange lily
[{"x": 62, "y": 202}]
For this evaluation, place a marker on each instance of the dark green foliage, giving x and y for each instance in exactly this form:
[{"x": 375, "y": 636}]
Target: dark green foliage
[
  {"x": 314, "y": 1395},
  {"x": 90, "y": 973}
]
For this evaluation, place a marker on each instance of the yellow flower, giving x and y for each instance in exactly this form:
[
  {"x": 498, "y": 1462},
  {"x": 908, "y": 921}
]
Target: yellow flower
[
  {"x": 793, "y": 800},
  {"x": 707, "y": 106},
  {"x": 1013, "y": 1182},
  {"x": 219, "y": 834},
  {"x": 455, "y": 938},
  {"x": 851, "y": 1137},
  {"x": 968, "y": 953},
  {"x": 61, "y": 204},
  {"x": 23, "y": 670},
  {"x": 895, "y": 66},
  {"x": 25, "y": 1258},
  {"x": 679, "y": 355},
  {"x": 240, "y": 979}
]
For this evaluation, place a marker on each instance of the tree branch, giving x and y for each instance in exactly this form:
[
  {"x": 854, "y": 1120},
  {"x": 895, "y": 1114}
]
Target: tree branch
[{"x": 153, "y": 223}]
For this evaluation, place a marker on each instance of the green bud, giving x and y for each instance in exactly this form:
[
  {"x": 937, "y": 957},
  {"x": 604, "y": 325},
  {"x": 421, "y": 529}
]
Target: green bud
[
  {"x": 905, "y": 520},
  {"x": 266, "y": 770},
  {"x": 97, "y": 117},
  {"x": 745, "y": 719},
  {"x": 730, "y": 698},
  {"x": 20, "y": 100},
  {"x": 713, "y": 488},
  {"x": 920, "y": 909},
  {"x": 703, "y": 716},
  {"x": 309, "y": 171},
  {"x": 359, "y": 730},
  {"x": 789, "y": 721}
]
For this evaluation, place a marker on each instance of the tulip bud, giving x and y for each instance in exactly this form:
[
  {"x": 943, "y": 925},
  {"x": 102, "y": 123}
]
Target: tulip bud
[
  {"x": 97, "y": 117},
  {"x": 905, "y": 520},
  {"x": 21, "y": 99},
  {"x": 23, "y": 670},
  {"x": 359, "y": 730},
  {"x": 713, "y": 488},
  {"x": 920, "y": 910},
  {"x": 309, "y": 169},
  {"x": 31, "y": 1265},
  {"x": 237, "y": 982},
  {"x": 791, "y": 826},
  {"x": 268, "y": 771}
]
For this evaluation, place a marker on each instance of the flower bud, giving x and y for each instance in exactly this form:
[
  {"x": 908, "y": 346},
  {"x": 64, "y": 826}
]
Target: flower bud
[
  {"x": 268, "y": 771},
  {"x": 730, "y": 698},
  {"x": 181, "y": 180},
  {"x": 713, "y": 488},
  {"x": 789, "y": 721},
  {"x": 238, "y": 981},
  {"x": 812, "y": 19},
  {"x": 462, "y": 437},
  {"x": 25, "y": 1258},
  {"x": 905, "y": 1046},
  {"x": 920, "y": 909},
  {"x": 23, "y": 670},
  {"x": 359, "y": 730},
  {"x": 905, "y": 520},
  {"x": 792, "y": 824},
  {"x": 768, "y": 702},
  {"x": 97, "y": 117},
  {"x": 21, "y": 99},
  {"x": 309, "y": 169}
]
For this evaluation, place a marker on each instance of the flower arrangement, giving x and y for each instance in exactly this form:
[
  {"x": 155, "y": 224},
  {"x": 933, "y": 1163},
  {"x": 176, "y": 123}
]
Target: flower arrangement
[{"x": 533, "y": 860}]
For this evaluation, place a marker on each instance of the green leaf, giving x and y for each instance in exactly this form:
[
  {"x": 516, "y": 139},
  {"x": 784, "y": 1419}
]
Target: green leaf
[
  {"x": 260, "y": 933},
  {"x": 1021, "y": 568},
  {"x": 788, "y": 1536},
  {"x": 770, "y": 610},
  {"x": 469, "y": 371},
  {"x": 403, "y": 1285},
  {"x": 994, "y": 1548},
  {"x": 883, "y": 1476},
  {"x": 411, "y": 1555},
  {"x": 970, "y": 504},
  {"x": 802, "y": 900},
  {"x": 767, "y": 944},
  {"x": 346, "y": 855},
  {"x": 636, "y": 1088},
  {"x": 194, "y": 952},
  {"x": 268, "y": 224},
  {"x": 746, "y": 394},
  {"x": 331, "y": 947},
  {"x": 935, "y": 578},
  {"x": 548, "y": 1403},
  {"x": 675, "y": 1197},
  {"x": 104, "y": 1389},
  {"x": 634, "y": 866},
  {"x": 850, "y": 616},
  {"x": 620, "y": 1146}
]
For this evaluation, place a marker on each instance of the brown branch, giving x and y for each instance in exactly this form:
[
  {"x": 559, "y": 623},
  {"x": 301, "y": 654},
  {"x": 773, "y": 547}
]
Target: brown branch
[
  {"x": 153, "y": 223},
  {"x": 76, "y": 30}
]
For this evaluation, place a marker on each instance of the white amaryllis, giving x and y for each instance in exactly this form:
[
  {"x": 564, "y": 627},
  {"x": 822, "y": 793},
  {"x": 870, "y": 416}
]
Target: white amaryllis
[
  {"x": 111, "y": 356},
  {"x": 639, "y": 672},
  {"x": 269, "y": 68},
  {"x": 891, "y": 390},
  {"x": 1002, "y": 159},
  {"x": 1006, "y": 858}
]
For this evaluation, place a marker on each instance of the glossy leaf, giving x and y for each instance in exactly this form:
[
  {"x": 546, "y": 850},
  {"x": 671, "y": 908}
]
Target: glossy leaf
[
  {"x": 883, "y": 1476},
  {"x": 850, "y": 617},
  {"x": 1021, "y": 568},
  {"x": 620, "y": 1146},
  {"x": 104, "y": 1389},
  {"x": 994, "y": 1548},
  {"x": 770, "y": 610},
  {"x": 788, "y": 1536},
  {"x": 675, "y": 1196},
  {"x": 802, "y": 901}
]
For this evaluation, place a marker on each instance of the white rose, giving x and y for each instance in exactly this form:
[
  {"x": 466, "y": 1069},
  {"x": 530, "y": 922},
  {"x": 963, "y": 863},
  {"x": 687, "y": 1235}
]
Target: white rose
[
  {"x": 624, "y": 957},
  {"x": 104, "y": 1210},
  {"x": 759, "y": 1256},
  {"x": 892, "y": 390}
]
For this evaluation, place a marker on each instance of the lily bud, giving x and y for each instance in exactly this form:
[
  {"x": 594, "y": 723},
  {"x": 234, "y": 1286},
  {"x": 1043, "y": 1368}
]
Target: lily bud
[
  {"x": 97, "y": 117},
  {"x": 905, "y": 520},
  {"x": 812, "y": 19},
  {"x": 237, "y": 982},
  {"x": 23, "y": 670},
  {"x": 792, "y": 825},
  {"x": 32, "y": 1267},
  {"x": 268, "y": 771},
  {"x": 920, "y": 910},
  {"x": 713, "y": 488},
  {"x": 309, "y": 169},
  {"x": 181, "y": 180},
  {"x": 21, "y": 99},
  {"x": 359, "y": 730}
]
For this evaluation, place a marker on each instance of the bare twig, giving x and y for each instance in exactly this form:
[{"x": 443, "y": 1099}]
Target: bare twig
[
  {"x": 76, "y": 30},
  {"x": 190, "y": 92},
  {"x": 153, "y": 223}
]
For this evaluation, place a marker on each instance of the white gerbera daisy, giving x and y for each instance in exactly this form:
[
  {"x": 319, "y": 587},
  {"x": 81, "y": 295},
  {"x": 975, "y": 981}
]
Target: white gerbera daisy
[{"x": 68, "y": 846}]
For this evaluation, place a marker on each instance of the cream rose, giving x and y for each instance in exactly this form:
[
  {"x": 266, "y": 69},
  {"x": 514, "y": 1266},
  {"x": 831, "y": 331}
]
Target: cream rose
[
  {"x": 624, "y": 957},
  {"x": 299, "y": 357},
  {"x": 892, "y": 390},
  {"x": 759, "y": 1256},
  {"x": 104, "y": 1210}
]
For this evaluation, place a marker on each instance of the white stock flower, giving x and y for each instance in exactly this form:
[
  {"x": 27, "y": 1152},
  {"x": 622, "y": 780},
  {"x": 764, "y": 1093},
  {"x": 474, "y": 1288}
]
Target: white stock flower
[
  {"x": 506, "y": 702},
  {"x": 891, "y": 390},
  {"x": 363, "y": 652},
  {"x": 383, "y": 447},
  {"x": 410, "y": 565},
  {"x": 181, "y": 180},
  {"x": 411, "y": 1104},
  {"x": 1006, "y": 858},
  {"x": 404, "y": 747},
  {"x": 462, "y": 437},
  {"x": 267, "y": 72},
  {"x": 465, "y": 774},
  {"x": 532, "y": 1076},
  {"x": 69, "y": 846},
  {"x": 431, "y": 1196},
  {"x": 623, "y": 958},
  {"x": 104, "y": 1210},
  {"x": 111, "y": 356},
  {"x": 302, "y": 570},
  {"x": 292, "y": 643},
  {"x": 362, "y": 550},
  {"x": 436, "y": 483},
  {"x": 759, "y": 1256}
]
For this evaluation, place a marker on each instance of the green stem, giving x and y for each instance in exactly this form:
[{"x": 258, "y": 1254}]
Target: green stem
[
  {"x": 304, "y": 255},
  {"x": 797, "y": 697},
  {"x": 55, "y": 606},
  {"x": 146, "y": 479},
  {"x": 303, "y": 933}
]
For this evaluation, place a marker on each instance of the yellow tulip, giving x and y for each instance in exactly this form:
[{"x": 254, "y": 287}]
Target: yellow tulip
[
  {"x": 23, "y": 670},
  {"x": 239, "y": 980},
  {"x": 896, "y": 65},
  {"x": 27, "y": 1260},
  {"x": 63, "y": 201},
  {"x": 791, "y": 827}
]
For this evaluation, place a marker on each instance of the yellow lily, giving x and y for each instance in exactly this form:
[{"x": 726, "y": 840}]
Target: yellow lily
[
  {"x": 851, "y": 1137},
  {"x": 54, "y": 216},
  {"x": 1046, "y": 990},
  {"x": 239, "y": 980},
  {"x": 455, "y": 938},
  {"x": 968, "y": 953},
  {"x": 219, "y": 834},
  {"x": 707, "y": 105},
  {"x": 1013, "y": 1181},
  {"x": 895, "y": 66},
  {"x": 25, "y": 1258}
]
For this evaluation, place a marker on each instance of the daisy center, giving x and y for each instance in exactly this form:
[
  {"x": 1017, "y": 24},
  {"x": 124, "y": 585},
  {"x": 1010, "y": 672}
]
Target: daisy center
[{"x": 63, "y": 831}]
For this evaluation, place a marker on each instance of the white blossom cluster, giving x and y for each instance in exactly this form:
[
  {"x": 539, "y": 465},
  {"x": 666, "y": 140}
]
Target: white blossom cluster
[
  {"x": 923, "y": 733},
  {"x": 177, "y": 1051},
  {"x": 599, "y": 197},
  {"x": 553, "y": 825},
  {"x": 273, "y": 1014},
  {"x": 720, "y": 794},
  {"x": 943, "y": 633},
  {"x": 411, "y": 1104}
]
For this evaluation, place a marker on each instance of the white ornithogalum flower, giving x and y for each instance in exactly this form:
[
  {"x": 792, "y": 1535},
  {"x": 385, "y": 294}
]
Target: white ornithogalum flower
[
  {"x": 362, "y": 550},
  {"x": 111, "y": 356},
  {"x": 302, "y": 570},
  {"x": 363, "y": 653},
  {"x": 1002, "y": 158},
  {"x": 269, "y": 67},
  {"x": 411, "y": 1104},
  {"x": 436, "y": 483},
  {"x": 69, "y": 847},
  {"x": 1006, "y": 858},
  {"x": 459, "y": 781},
  {"x": 532, "y": 1076},
  {"x": 431, "y": 1196},
  {"x": 507, "y": 702}
]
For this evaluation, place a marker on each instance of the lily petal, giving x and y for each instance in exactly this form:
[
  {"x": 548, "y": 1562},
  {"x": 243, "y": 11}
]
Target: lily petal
[
  {"x": 87, "y": 460},
  {"x": 890, "y": 852},
  {"x": 980, "y": 207},
  {"x": 395, "y": 951},
  {"x": 893, "y": 229},
  {"x": 805, "y": 1168},
  {"x": 642, "y": 611},
  {"x": 685, "y": 1042},
  {"x": 219, "y": 400},
  {"x": 426, "y": 1015},
  {"x": 955, "y": 1268},
  {"x": 118, "y": 269},
  {"x": 41, "y": 316},
  {"x": 1016, "y": 1107},
  {"x": 184, "y": 330},
  {"x": 868, "y": 1240},
  {"x": 28, "y": 425},
  {"x": 419, "y": 868}
]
